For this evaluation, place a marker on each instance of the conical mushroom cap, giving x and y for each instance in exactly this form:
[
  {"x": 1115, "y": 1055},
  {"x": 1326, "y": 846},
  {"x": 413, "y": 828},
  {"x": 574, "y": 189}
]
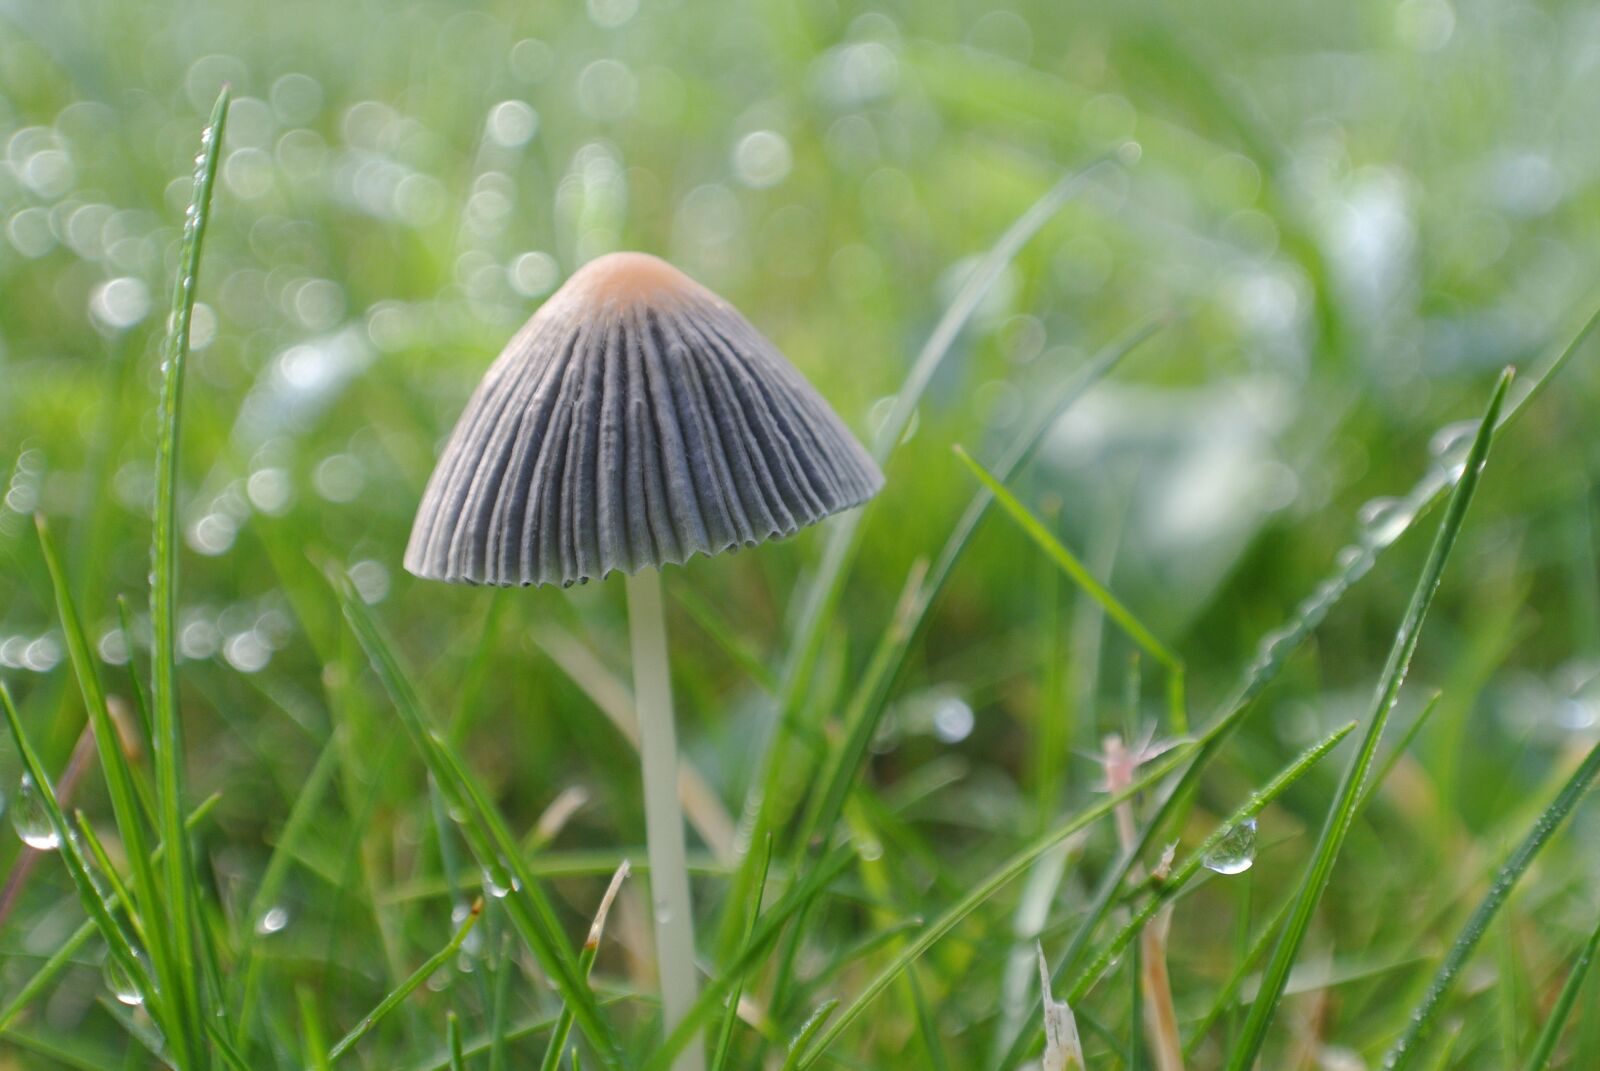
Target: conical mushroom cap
[{"x": 636, "y": 419}]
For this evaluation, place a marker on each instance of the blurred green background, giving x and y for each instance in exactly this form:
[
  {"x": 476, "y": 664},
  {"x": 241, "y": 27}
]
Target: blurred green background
[{"x": 1349, "y": 216}]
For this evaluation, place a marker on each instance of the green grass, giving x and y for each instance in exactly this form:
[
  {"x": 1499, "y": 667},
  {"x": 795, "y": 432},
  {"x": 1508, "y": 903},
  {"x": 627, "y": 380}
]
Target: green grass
[
  {"x": 391, "y": 1000},
  {"x": 1425, "y": 1019},
  {"x": 1190, "y": 294},
  {"x": 1341, "y": 811},
  {"x": 1550, "y": 1035}
]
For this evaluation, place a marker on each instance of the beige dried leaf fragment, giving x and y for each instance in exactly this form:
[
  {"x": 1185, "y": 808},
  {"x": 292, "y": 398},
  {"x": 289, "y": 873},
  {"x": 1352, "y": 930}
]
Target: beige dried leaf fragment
[{"x": 1062, "y": 1049}]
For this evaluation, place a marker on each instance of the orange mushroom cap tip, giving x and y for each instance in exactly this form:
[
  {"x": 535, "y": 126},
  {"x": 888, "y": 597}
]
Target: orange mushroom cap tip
[
  {"x": 636, "y": 420},
  {"x": 632, "y": 278}
]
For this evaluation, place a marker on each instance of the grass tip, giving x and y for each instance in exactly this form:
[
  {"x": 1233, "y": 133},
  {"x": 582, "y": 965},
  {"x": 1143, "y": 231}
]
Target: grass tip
[{"x": 597, "y": 928}]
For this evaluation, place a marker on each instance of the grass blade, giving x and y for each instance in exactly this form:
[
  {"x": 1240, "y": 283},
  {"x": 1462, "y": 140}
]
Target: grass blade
[
  {"x": 793, "y": 903},
  {"x": 1275, "y": 650},
  {"x": 483, "y": 1044},
  {"x": 927, "y": 1026},
  {"x": 970, "y": 296},
  {"x": 984, "y": 889},
  {"x": 1257, "y": 948},
  {"x": 186, "y": 1039},
  {"x": 1191, "y": 865},
  {"x": 844, "y": 531},
  {"x": 860, "y": 722},
  {"x": 1075, "y": 569},
  {"x": 1228, "y": 994},
  {"x": 1423, "y": 1019},
  {"x": 64, "y": 956},
  {"x": 726, "y": 636},
  {"x": 141, "y": 702},
  {"x": 890, "y": 933},
  {"x": 1545, "y": 1047},
  {"x": 591, "y": 950},
  {"x": 102, "y": 860},
  {"x": 1026, "y": 444},
  {"x": 497, "y": 852},
  {"x": 1401, "y": 746},
  {"x": 295, "y": 826},
  {"x": 313, "y": 1046},
  {"x": 148, "y": 904},
  {"x": 1342, "y": 812},
  {"x": 452, "y": 1029},
  {"x": 417, "y": 977},
  {"x": 752, "y": 912},
  {"x": 78, "y": 867},
  {"x": 1199, "y": 750},
  {"x": 869, "y": 699},
  {"x": 808, "y": 1031},
  {"x": 867, "y": 703},
  {"x": 225, "y": 1049}
]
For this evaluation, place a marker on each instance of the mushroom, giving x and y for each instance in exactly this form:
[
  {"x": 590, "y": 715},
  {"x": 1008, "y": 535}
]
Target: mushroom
[{"x": 636, "y": 420}]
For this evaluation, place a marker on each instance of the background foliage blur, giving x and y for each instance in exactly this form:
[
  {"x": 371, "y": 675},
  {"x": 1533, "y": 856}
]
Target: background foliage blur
[{"x": 1352, "y": 213}]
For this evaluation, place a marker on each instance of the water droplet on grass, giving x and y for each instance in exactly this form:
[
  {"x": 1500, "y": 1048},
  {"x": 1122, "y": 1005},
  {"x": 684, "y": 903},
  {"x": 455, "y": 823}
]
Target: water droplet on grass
[
  {"x": 499, "y": 885},
  {"x": 1451, "y": 443},
  {"x": 952, "y": 719},
  {"x": 272, "y": 920},
  {"x": 121, "y": 982},
  {"x": 1577, "y": 715},
  {"x": 1236, "y": 852},
  {"x": 1274, "y": 646},
  {"x": 31, "y": 820},
  {"x": 1383, "y": 520},
  {"x": 1349, "y": 557}
]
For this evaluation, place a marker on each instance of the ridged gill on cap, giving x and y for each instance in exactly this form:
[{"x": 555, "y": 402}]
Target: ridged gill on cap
[{"x": 636, "y": 419}]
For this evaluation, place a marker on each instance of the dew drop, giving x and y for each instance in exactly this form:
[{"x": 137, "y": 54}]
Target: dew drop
[
  {"x": 1383, "y": 520},
  {"x": 1348, "y": 557},
  {"x": 30, "y": 818},
  {"x": 1274, "y": 645},
  {"x": 1451, "y": 443},
  {"x": 499, "y": 885},
  {"x": 1578, "y": 715},
  {"x": 272, "y": 920},
  {"x": 1449, "y": 449},
  {"x": 952, "y": 719},
  {"x": 1235, "y": 852},
  {"x": 121, "y": 982}
]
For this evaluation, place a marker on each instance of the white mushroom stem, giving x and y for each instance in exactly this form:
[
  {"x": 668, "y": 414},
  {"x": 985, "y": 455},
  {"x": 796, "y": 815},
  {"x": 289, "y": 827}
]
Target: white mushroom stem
[{"x": 669, "y": 872}]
